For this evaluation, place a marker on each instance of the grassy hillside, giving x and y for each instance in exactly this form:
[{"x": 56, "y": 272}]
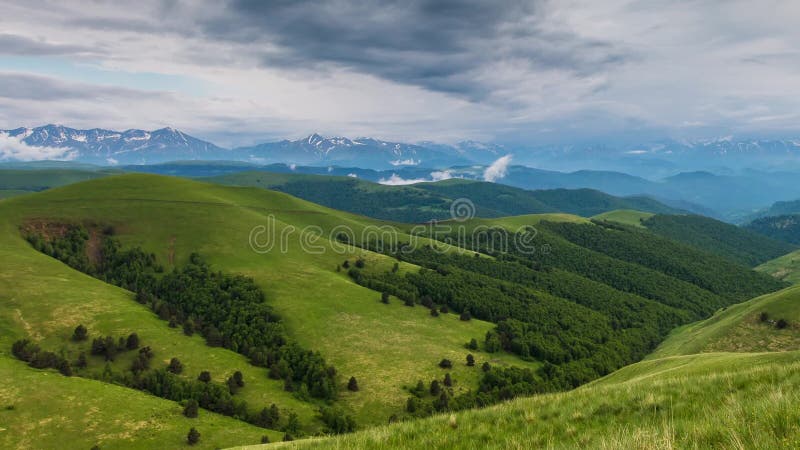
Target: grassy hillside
[
  {"x": 41, "y": 179},
  {"x": 44, "y": 300},
  {"x": 42, "y": 409},
  {"x": 625, "y": 216},
  {"x": 718, "y": 400},
  {"x": 598, "y": 298},
  {"x": 786, "y": 267},
  {"x": 426, "y": 201},
  {"x": 8, "y": 193},
  {"x": 741, "y": 328}
]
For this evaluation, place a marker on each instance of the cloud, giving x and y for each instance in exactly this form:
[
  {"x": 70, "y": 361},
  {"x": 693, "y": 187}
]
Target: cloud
[
  {"x": 497, "y": 169},
  {"x": 445, "y": 46},
  {"x": 545, "y": 71},
  {"x": 397, "y": 180},
  {"x": 12, "y": 44},
  {"x": 441, "y": 175},
  {"x": 13, "y": 149},
  {"x": 405, "y": 162}
]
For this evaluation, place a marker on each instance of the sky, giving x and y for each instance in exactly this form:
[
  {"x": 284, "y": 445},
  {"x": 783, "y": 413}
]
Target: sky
[{"x": 244, "y": 71}]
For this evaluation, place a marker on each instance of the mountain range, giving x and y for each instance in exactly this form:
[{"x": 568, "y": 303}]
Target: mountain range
[{"x": 654, "y": 159}]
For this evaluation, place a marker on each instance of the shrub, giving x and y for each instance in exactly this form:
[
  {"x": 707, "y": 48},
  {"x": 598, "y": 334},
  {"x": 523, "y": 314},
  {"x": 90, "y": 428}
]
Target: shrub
[
  {"x": 781, "y": 324},
  {"x": 132, "y": 343},
  {"x": 265, "y": 439},
  {"x": 486, "y": 367},
  {"x": 80, "y": 333},
  {"x": 470, "y": 360},
  {"x": 193, "y": 437},
  {"x": 446, "y": 364},
  {"x": 385, "y": 298},
  {"x": 205, "y": 376},
  {"x": 448, "y": 381},
  {"x": 190, "y": 410},
  {"x": 473, "y": 344},
  {"x": 352, "y": 385},
  {"x": 434, "y": 312},
  {"x": 409, "y": 302},
  {"x": 175, "y": 366},
  {"x": 435, "y": 387},
  {"x": 763, "y": 317},
  {"x": 465, "y": 316},
  {"x": 360, "y": 263}
]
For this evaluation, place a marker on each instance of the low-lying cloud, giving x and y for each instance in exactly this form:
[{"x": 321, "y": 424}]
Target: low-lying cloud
[
  {"x": 497, "y": 169},
  {"x": 397, "y": 180},
  {"x": 13, "y": 149}
]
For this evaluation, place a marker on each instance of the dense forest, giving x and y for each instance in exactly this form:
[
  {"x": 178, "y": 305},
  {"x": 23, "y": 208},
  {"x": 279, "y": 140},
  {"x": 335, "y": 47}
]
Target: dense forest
[
  {"x": 601, "y": 296},
  {"x": 737, "y": 244},
  {"x": 783, "y": 228}
]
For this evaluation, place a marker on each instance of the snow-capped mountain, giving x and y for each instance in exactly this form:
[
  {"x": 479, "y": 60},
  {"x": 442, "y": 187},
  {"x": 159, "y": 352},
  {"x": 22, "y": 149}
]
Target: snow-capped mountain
[
  {"x": 112, "y": 147},
  {"x": 363, "y": 152}
]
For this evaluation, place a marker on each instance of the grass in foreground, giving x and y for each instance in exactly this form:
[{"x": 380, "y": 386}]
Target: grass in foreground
[{"x": 700, "y": 401}]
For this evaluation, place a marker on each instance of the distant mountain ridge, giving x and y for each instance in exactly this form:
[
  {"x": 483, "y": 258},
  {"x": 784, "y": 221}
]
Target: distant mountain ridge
[
  {"x": 100, "y": 146},
  {"x": 653, "y": 159}
]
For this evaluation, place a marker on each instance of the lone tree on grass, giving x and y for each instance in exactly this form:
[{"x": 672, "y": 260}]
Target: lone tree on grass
[
  {"x": 238, "y": 378},
  {"x": 473, "y": 344},
  {"x": 352, "y": 385},
  {"x": 435, "y": 387},
  {"x": 193, "y": 437},
  {"x": 175, "y": 366},
  {"x": 385, "y": 298},
  {"x": 80, "y": 333},
  {"x": 446, "y": 364},
  {"x": 132, "y": 343},
  {"x": 781, "y": 324},
  {"x": 448, "y": 381},
  {"x": 190, "y": 410},
  {"x": 205, "y": 376},
  {"x": 470, "y": 360}
]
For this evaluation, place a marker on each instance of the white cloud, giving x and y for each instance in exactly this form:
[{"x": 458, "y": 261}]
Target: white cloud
[
  {"x": 440, "y": 175},
  {"x": 12, "y": 148},
  {"x": 497, "y": 169},
  {"x": 292, "y": 166},
  {"x": 405, "y": 162},
  {"x": 397, "y": 180},
  {"x": 352, "y": 175}
]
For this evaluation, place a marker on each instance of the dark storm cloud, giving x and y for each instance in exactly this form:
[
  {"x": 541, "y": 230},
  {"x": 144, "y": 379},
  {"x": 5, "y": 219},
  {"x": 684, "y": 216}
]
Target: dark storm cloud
[
  {"x": 11, "y": 44},
  {"x": 448, "y": 46},
  {"x": 21, "y": 86}
]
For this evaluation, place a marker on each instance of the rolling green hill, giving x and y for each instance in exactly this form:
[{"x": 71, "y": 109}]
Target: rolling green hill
[
  {"x": 786, "y": 267},
  {"x": 422, "y": 202},
  {"x": 734, "y": 243},
  {"x": 45, "y": 300},
  {"x": 593, "y": 298},
  {"x": 742, "y": 328}
]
